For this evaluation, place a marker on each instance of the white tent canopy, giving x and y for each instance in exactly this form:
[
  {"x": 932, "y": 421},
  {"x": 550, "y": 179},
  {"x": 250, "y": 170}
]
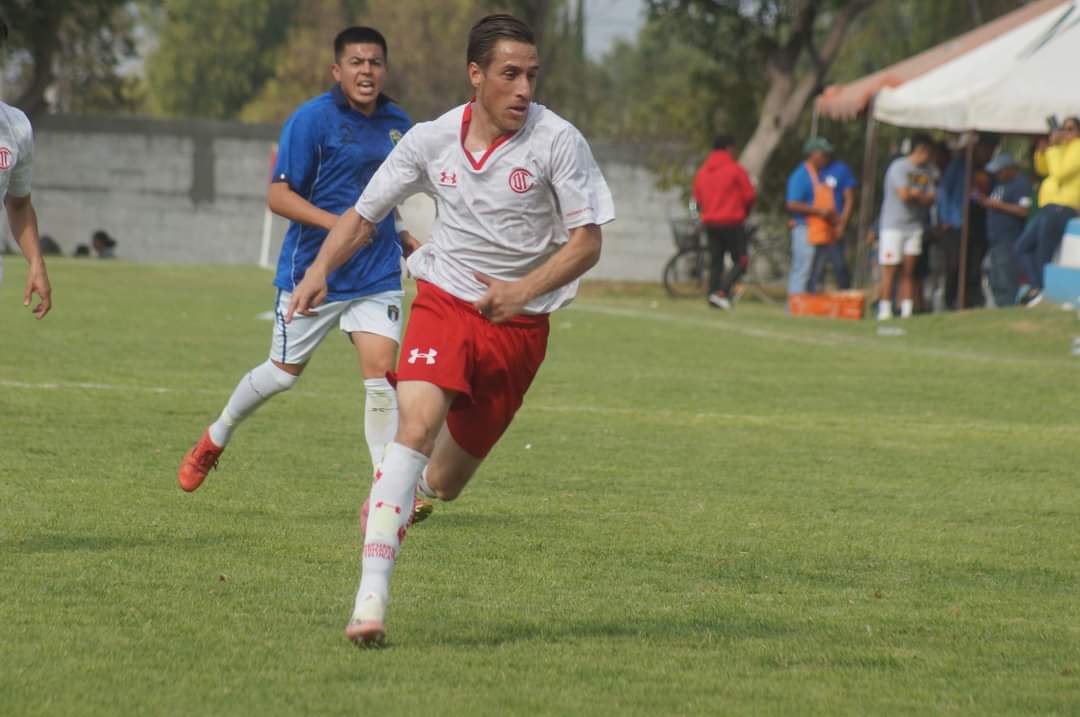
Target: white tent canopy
[{"x": 1010, "y": 84}]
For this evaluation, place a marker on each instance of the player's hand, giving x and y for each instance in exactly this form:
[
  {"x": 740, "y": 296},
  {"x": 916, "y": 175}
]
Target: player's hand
[
  {"x": 409, "y": 243},
  {"x": 37, "y": 282},
  {"x": 502, "y": 301},
  {"x": 308, "y": 294}
]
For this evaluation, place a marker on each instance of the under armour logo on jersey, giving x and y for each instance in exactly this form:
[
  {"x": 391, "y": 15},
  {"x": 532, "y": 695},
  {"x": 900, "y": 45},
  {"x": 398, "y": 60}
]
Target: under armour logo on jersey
[
  {"x": 429, "y": 357},
  {"x": 521, "y": 180},
  {"x": 5, "y": 158},
  {"x": 448, "y": 179}
]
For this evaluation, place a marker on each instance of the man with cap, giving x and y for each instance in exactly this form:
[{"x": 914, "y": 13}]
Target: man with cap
[
  {"x": 1007, "y": 209},
  {"x": 810, "y": 202},
  {"x": 907, "y": 197}
]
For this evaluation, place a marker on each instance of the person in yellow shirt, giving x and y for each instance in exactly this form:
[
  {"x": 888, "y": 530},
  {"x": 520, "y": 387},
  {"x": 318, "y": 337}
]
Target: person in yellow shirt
[{"x": 1059, "y": 200}]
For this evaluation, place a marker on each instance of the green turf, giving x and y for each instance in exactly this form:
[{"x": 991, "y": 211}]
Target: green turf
[{"x": 694, "y": 513}]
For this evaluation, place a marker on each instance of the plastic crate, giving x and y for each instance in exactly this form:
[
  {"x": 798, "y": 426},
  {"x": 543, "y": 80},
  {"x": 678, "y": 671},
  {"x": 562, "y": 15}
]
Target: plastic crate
[{"x": 831, "y": 304}]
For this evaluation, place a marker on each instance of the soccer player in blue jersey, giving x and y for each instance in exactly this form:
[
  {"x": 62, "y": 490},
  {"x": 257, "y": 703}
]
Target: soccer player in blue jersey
[{"x": 329, "y": 150}]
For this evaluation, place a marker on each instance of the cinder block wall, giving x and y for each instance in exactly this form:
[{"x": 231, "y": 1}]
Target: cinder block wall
[{"x": 194, "y": 192}]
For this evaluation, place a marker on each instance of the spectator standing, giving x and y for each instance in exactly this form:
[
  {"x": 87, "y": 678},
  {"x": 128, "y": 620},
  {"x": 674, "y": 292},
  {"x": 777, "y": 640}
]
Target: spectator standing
[
  {"x": 1059, "y": 199},
  {"x": 812, "y": 205},
  {"x": 905, "y": 209},
  {"x": 725, "y": 195},
  {"x": 839, "y": 178},
  {"x": 950, "y": 216},
  {"x": 1007, "y": 208}
]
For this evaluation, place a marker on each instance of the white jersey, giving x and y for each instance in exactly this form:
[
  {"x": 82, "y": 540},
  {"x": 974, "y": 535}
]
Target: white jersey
[
  {"x": 16, "y": 154},
  {"x": 501, "y": 214}
]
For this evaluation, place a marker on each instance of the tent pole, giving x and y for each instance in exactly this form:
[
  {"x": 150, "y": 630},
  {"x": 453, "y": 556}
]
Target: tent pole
[
  {"x": 866, "y": 195},
  {"x": 961, "y": 290}
]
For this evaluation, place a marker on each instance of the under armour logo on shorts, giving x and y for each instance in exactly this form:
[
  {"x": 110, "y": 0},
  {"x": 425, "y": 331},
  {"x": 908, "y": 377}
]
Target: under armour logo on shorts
[{"x": 429, "y": 357}]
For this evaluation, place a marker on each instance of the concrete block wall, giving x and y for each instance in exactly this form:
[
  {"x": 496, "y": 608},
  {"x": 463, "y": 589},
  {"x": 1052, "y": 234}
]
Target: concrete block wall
[{"x": 194, "y": 192}]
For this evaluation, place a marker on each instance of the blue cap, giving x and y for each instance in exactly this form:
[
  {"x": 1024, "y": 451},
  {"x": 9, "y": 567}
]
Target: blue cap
[{"x": 1003, "y": 160}]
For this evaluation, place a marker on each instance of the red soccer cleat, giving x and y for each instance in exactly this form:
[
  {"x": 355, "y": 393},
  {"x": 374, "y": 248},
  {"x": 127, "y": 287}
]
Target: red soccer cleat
[
  {"x": 198, "y": 461},
  {"x": 367, "y": 628}
]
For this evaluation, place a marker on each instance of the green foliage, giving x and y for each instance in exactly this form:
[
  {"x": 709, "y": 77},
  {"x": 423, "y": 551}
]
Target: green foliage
[
  {"x": 691, "y": 514},
  {"x": 214, "y": 56},
  {"x": 77, "y": 47}
]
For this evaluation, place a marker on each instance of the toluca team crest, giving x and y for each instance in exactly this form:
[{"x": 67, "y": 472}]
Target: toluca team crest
[
  {"x": 521, "y": 180},
  {"x": 395, "y": 136}
]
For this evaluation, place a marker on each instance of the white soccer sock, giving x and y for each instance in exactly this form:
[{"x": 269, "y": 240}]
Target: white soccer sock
[
  {"x": 389, "y": 508},
  {"x": 380, "y": 417},
  {"x": 424, "y": 488},
  {"x": 907, "y": 306},
  {"x": 255, "y": 388},
  {"x": 884, "y": 310}
]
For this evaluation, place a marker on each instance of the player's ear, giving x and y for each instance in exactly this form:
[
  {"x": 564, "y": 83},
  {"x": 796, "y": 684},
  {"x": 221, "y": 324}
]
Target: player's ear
[
  {"x": 335, "y": 71},
  {"x": 476, "y": 75}
]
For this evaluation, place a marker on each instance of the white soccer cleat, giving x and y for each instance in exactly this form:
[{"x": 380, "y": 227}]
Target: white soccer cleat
[{"x": 367, "y": 628}]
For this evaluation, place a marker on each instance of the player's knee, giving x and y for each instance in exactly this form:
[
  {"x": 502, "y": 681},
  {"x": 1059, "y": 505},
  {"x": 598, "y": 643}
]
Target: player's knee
[{"x": 416, "y": 436}]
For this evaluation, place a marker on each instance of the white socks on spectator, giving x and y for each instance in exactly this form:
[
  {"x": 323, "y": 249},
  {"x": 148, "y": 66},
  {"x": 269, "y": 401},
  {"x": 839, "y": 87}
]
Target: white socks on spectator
[
  {"x": 884, "y": 310},
  {"x": 906, "y": 307},
  {"x": 257, "y": 387},
  {"x": 380, "y": 417},
  {"x": 389, "y": 508}
]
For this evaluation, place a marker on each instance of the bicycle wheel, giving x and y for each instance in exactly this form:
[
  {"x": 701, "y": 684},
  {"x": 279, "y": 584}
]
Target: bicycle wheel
[{"x": 687, "y": 274}]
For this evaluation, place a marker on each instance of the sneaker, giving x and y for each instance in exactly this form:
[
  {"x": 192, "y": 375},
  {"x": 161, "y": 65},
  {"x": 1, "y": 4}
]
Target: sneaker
[
  {"x": 367, "y": 628},
  {"x": 719, "y": 301},
  {"x": 198, "y": 461},
  {"x": 1034, "y": 300},
  {"x": 420, "y": 512},
  {"x": 884, "y": 313}
]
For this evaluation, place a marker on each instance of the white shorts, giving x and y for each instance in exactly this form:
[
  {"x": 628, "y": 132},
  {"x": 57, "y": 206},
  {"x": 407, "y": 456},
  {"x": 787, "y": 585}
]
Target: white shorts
[
  {"x": 295, "y": 341},
  {"x": 896, "y": 243}
]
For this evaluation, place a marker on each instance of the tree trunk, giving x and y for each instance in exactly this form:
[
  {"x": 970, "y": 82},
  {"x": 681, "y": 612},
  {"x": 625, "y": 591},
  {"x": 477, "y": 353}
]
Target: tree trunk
[{"x": 789, "y": 91}]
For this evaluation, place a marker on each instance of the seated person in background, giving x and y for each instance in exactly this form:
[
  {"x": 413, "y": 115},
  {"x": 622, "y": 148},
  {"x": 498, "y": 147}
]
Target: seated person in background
[
  {"x": 1007, "y": 208},
  {"x": 82, "y": 251},
  {"x": 48, "y": 246},
  {"x": 103, "y": 244},
  {"x": 1059, "y": 199}
]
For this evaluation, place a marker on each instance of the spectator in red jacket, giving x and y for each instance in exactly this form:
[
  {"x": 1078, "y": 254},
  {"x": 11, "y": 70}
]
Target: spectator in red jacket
[{"x": 724, "y": 195}]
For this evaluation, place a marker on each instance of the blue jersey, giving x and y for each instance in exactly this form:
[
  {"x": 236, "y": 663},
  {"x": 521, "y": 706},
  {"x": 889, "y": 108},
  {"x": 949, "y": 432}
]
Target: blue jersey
[
  {"x": 327, "y": 154},
  {"x": 838, "y": 177}
]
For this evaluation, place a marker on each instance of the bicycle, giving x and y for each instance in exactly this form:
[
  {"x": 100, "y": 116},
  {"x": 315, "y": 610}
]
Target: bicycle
[{"x": 686, "y": 275}]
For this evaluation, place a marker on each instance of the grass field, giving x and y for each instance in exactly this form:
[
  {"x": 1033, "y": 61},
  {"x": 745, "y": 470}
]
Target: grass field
[{"x": 694, "y": 513}]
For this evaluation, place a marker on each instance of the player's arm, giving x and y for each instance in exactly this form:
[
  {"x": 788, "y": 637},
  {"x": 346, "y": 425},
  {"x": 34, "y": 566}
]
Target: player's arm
[
  {"x": 849, "y": 205},
  {"x": 284, "y": 202},
  {"x": 504, "y": 300},
  {"x": 24, "y": 227},
  {"x": 349, "y": 234},
  {"x": 409, "y": 243}
]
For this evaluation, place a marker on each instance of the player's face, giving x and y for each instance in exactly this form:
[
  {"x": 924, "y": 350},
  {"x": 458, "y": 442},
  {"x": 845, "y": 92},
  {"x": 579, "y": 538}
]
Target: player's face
[
  {"x": 505, "y": 87},
  {"x": 361, "y": 72}
]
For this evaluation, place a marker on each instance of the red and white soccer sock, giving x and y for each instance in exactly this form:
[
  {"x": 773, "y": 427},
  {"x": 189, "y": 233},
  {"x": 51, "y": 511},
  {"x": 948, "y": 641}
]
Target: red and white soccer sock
[
  {"x": 390, "y": 506},
  {"x": 257, "y": 387},
  {"x": 380, "y": 417}
]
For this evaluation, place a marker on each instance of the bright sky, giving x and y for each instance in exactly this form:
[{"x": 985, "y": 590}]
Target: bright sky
[{"x": 609, "y": 20}]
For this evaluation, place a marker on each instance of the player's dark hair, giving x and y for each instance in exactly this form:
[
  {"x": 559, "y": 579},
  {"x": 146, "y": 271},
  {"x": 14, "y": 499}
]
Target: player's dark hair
[
  {"x": 359, "y": 35},
  {"x": 491, "y": 29},
  {"x": 922, "y": 140},
  {"x": 723, "y": 141}
]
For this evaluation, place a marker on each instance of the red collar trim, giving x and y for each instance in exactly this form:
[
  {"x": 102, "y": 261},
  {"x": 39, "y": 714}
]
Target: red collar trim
[{"x": 466, "y": 118}]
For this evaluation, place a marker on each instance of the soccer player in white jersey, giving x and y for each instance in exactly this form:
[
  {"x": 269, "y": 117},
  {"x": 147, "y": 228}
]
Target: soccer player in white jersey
[
  {"x": 16, "y": 158},
  {"x": 520, "y": 202}
]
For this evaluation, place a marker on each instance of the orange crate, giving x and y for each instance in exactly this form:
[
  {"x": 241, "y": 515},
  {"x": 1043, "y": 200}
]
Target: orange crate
[{"x": 831, "y": 304}]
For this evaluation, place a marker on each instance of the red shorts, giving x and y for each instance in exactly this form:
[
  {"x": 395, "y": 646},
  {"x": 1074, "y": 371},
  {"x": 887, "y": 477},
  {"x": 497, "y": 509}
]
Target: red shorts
[{"x": 449, "y": 344}]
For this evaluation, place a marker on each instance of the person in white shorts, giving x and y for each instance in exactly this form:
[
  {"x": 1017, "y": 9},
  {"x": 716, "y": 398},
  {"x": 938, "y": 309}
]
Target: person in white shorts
[
  {"x": 16, "y": 158},
  {"x": 907, "y": 197},
  {"x": 328, "y": 151}
]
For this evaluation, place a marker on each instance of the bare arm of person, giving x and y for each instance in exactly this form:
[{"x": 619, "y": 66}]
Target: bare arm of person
[
  {"x": 349, "y": 234},
  {"x": 284, "y": 202},
  {"x": 1016, "y": 210},
  {"x": 849, "y": 205},
  {"x": 807, "y": 209},
  {"x": 504, "y": 300},
  {"x": 24, "y": 227}
]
